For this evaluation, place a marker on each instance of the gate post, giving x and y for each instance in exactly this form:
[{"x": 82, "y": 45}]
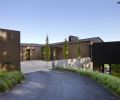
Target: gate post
[
  {"x": 102, "y": 68},
  {"x": 110, "y": 68}
]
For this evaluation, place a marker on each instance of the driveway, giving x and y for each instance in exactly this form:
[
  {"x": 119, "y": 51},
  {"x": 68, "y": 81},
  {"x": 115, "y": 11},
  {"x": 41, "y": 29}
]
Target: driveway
[
  {"x": 35, "y": 65},
  {"x": 54, "y": 85}
]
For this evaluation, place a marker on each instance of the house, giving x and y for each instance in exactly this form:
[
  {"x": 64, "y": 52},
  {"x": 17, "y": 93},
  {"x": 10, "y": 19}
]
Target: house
[
  {"x": 85, "y": 46},
  {"x": 35, "y": 51}
]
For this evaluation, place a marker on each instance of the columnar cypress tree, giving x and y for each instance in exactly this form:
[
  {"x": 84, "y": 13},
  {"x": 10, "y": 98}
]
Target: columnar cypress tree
[
  {"x": 65, "y": 49},
  {"x": 46, "y": 51}
]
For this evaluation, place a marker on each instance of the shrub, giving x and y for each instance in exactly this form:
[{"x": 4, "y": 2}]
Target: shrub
[
  {"x": 112, "y": 83},
  {"x": 10, "y": 79},
  {"x": 116, "y": 69},
  {"x": 3, "y": 85}
]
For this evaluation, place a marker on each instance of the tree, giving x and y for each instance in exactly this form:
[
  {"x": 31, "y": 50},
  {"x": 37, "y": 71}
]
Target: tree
[
  {"x": 46, "y": 50},
  {"x": 65, "y": 49},
  {"x": 79, "y": 49}
]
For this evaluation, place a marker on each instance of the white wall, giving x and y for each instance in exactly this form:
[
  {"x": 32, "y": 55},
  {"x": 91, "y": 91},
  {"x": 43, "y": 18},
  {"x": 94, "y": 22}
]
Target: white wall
[{"x": 84, "y": 63}]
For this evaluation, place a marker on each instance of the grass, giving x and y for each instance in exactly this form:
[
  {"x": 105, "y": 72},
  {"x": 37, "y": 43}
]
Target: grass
[
  {"x": 10, "y": 79},
  {"x": 110, "y": 82}
]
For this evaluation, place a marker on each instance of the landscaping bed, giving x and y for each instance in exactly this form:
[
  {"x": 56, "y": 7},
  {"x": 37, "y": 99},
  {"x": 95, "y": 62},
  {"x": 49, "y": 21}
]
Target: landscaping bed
[
  {"x": 110, "y": 82},
  {"x": 8, "y": 80}
]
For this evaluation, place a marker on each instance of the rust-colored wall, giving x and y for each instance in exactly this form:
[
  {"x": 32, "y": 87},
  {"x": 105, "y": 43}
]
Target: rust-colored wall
[
  {"x": 38, "y": 53},
  {"x": 9, "y": 50},
  {"x": 59, "y": 53},
  {"x": 35, "y": 52},
  {"x": 73, "y": 50},
  {"x": 85, "y": 49}
]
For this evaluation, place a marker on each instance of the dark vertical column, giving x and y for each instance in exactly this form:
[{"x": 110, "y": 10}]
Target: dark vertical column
[
  {"x": 102, "y": 68},
  {"x": 110, "y": 69},
  {"x": 90, "y": 46},
  {"x": 99, "y": 66},
  {"x": 93, "y": 66}
]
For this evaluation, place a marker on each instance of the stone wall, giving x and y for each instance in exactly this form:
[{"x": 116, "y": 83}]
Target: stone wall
[
  {"x": 9, "y": 50},
  {"x": 83, "y": 63}
]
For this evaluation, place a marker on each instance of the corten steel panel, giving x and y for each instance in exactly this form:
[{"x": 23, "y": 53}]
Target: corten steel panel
[
  {"x": 38, "y": 53},
  {"x": 35, "y": 52},
  {"x": 9, "y": 50},
  {"x": 73, "y": 49},
  {"x": 59, "y": 53},
  {"x": 106, "y": 53},
  {"x": 85, "y": 49}
]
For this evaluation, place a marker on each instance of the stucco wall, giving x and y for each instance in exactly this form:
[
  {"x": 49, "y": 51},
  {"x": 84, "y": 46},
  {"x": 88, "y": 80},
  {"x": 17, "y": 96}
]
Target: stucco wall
[
  {"x": 9, "y": 50},
  {"x": 83, "y": 63}
]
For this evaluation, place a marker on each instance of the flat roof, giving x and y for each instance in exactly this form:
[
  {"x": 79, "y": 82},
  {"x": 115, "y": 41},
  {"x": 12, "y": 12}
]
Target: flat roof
[{"x": 8, "y": 29}]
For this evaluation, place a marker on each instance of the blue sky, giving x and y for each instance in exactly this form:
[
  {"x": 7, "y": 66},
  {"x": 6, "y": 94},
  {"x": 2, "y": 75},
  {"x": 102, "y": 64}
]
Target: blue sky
[{"x": 60, "y": 18}]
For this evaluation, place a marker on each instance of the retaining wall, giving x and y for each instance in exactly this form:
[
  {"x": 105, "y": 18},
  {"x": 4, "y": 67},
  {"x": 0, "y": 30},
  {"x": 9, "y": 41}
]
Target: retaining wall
[{"x": 83, "y": 63}]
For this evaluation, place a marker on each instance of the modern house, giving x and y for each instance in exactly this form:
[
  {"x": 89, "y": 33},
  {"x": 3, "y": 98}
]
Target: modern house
[
  {"x": 35, "y": 51},
  {"x": 98, "y": 51}
]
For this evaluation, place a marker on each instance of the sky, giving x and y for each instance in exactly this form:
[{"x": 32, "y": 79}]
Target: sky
[{"x": 60, "y": 18}]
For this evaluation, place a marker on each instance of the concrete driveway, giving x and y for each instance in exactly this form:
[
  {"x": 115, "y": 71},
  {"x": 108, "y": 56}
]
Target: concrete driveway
[
  {"x": 35, "y": 65},
  {"x": 54, "y": 85}
]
